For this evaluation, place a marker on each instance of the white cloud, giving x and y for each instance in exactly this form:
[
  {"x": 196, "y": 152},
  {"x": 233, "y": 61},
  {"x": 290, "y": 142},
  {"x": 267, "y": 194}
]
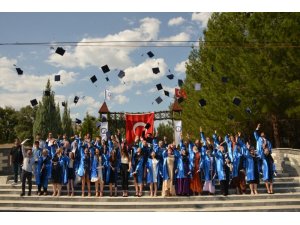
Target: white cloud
[
  {"x": 87, "y": 54},
  {"x": 201, "y": 17},
  {"x": 17, "y": 91},
  {"x": 121, "y": 99},
  {"x": 183, "y": 36},
  {"x": 180, "y": 67},
  {"x": 138, "y": 92},
  {"x": 176, "y": 21}
]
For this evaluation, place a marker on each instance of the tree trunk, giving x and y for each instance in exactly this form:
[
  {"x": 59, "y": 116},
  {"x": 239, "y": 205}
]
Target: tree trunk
[{"x": 275, "y": 130}]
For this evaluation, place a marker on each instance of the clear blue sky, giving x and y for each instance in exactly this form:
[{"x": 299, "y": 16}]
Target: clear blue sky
[{"x": 81, "y": 62}]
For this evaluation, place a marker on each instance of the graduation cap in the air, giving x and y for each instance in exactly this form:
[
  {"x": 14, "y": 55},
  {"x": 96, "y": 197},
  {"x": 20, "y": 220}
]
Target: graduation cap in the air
[
  {"x": 105, "y": 69},
  {"x": 236, "y": 101},
  {"x": 202, "y": 102},
  {"x": 147, "y": 126},
  {"x": 63, "y": 104},
  {"x": 60, "y": 51},
  {"x": 159, "y": 87},
  {"x": 76, "y": 99},
  {"x": 93, "y": 79},
  {"x": 150, "y": 54},
  {"x": 57, "y": 78},
  {"x": 170, "y": 76},
  {"x": 180, "y": 82},
  {"x": 78, "y": 121},
  {"x": 47, "y": 93},
  {"x": 167, "y": 93},
  {"x": 197, "y": 86},
  {"x": 158, "y": 100},
  {"x": 224, "y": 79},
  {"x": 230, "y": 116},
  {"x": 98, "y": 124},
  {"x": 19, "y": 71},
  {"x": 33, "y": 102},
  {"x": 155, "y": 70},
  {"x": 248, "y": 110},
  {"x": 121, "y": 74},
  {"x": 107, "y": 79}
]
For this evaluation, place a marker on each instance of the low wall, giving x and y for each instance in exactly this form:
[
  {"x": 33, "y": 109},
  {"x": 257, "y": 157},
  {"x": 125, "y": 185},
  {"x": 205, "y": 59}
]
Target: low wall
[{"x": 5, "y": 169}]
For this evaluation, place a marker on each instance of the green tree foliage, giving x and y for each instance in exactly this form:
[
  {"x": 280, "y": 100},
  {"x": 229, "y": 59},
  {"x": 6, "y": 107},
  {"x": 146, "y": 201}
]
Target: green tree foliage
[
  {"x": 165, "y": 129},
  {"x": 89, "y": 126},
  {"x": 256, "y": 52},
  {"x": 8, "y": 120},
  {"x": 47, "y": 116},
  {"x": 67, "y": 122},
  {"x": 25, "y": 119}
]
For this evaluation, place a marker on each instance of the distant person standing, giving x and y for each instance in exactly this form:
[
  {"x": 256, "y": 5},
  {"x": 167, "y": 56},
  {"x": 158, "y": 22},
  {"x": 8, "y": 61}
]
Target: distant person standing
[
  {"x": 16, "y": 160},
  {"x": 27, "y": 169}
]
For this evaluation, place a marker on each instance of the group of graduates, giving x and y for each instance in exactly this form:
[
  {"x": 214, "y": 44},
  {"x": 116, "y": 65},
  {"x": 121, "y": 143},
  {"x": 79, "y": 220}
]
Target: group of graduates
[{"x": 191, "y": 168}]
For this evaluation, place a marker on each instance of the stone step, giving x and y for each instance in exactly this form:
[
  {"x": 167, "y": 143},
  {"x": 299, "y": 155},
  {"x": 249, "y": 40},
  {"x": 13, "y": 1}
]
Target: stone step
[
  {"x": 146, "y": 192},
  {"x": 148, "y": 198},
  {"x": 275, "y": 208},
  {"x": 146, "y": 205}
]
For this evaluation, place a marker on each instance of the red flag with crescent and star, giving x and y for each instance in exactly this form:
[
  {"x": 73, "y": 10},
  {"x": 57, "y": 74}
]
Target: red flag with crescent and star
[{"x": 135, "y": 125}]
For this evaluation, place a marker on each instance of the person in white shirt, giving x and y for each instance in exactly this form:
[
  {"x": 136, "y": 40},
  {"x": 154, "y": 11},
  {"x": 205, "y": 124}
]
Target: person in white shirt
[{"x": 27, "y": 169}]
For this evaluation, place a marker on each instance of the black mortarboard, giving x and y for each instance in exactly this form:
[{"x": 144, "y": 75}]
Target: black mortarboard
[
  {"x": 47, "y": 93},
  {"x": 98, "y": 124},
  {"x": 107, "y": 79},
  {"x": 236, "y": 101},
  {"x": 93, "y": 79},
  {"x": 202, "y": 102},
  {"x": 19, "y": 71},
  {"x": 63, "y": 104},
  {"x": 159, "y": 87},
  {"x": 78, "y": 121},
  {"x": 147, "y": 126},
  {"x": 105, "y": 69},
  {"x": 150, "y": 54},
  {"x": 181, "y": 99},
  {"x": 33, "y": 102},
  {"x": 121, "y": 74},
  {"x": 170, "y": 76},
  {"x": 57, "y": 78},
  {"x": 248, "y": 110},
  {"x": 224, "y": 79},
  {"x": 230, "y": 116},
  {"x": 180, "y": 82},
  {"x": 60, "y": 51},
  {"x": 155, "y": 70},
  {"x": 167, "y": 93},
  {"x": 158, "y": 100},
  {"x": 76, "y": 99}
]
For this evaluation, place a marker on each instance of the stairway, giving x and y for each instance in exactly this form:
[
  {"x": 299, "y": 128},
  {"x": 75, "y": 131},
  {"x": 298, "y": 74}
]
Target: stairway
[{"x": 286, "y": 198}]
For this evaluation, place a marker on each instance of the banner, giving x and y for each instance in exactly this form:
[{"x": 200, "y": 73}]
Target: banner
[
  {"x": 177, "y": 131},
  {"x": 135, "y": 125},
  {"x": 103, "y": 130}
]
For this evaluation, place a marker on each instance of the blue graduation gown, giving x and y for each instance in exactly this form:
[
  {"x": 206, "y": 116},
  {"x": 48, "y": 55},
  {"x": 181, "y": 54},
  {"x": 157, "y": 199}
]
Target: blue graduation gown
[
  {"x": 183, "y": 170},
  {"x": 207, "y": 164},
  {"x": 260, "y": 142},
  {"x": 139, "y": 169},
  {"x": 250, "y": 169},
  {"x": 229, "y": 148},
  {"x": 267, "y": 167},
  {"x": 220, "y": 164},
  {"x": 95, "y": 165},
  {"x": 150, "y": 171},
  {"x": 47, "y": 170},
  {"x": 165, "y": 171}
]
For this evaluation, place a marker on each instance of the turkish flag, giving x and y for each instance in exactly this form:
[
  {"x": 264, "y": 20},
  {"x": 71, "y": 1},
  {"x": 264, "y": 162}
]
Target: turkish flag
[{"x": 135, "y": 125}]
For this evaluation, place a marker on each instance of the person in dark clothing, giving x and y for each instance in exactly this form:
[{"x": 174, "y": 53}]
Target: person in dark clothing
[{"x": 16, "y": 160}]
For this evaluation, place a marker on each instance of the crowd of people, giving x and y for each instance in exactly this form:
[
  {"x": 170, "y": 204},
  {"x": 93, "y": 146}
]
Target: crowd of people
[{"x": 190, "y": 168}]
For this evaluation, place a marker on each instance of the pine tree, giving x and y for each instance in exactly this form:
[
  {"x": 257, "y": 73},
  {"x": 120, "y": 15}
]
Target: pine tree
[
  {"x": 47, "y": 115},
  {"x": 67, "y": 122},
  {"x": 89, "y": 126}
]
